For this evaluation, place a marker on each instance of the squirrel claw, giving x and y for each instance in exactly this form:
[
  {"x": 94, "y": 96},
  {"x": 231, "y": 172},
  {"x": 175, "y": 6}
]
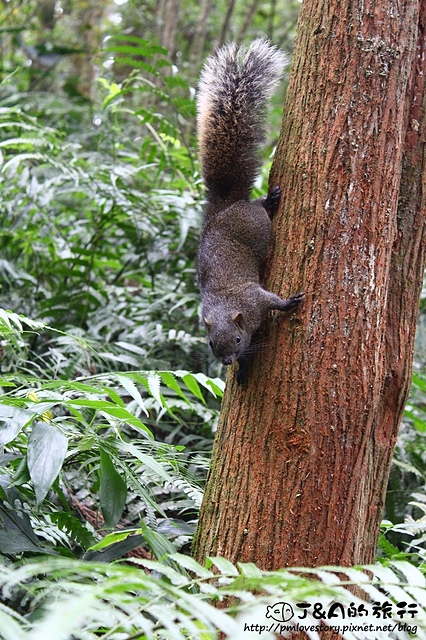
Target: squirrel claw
[
  {"x": 290, "y": 303},
  {"x": 295, "y": 300},
  {"x": 242, "y": 373},
  {"x": 271, "y": 201}
]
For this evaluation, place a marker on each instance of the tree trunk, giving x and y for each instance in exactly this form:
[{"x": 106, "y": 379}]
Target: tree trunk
[
  {"x": 88, "y": 15},
  {"x": 200, "y": 34},
  {"x": 167, "y": 23},
  {"x": 302, "y": 454},
  {"x": 226, "y": 23},
  {"x": 247, "y": 22}
]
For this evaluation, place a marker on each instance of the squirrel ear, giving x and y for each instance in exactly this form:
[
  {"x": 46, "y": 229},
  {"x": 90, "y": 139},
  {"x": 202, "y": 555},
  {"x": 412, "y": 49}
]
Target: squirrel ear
[
  {"x": 208, "y": 323},
  {"x": 238, "y": 319}
]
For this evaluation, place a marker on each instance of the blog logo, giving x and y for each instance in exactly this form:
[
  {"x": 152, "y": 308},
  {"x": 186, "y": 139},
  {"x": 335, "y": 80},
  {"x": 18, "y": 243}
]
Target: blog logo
[{"x": 280, "y": 612}]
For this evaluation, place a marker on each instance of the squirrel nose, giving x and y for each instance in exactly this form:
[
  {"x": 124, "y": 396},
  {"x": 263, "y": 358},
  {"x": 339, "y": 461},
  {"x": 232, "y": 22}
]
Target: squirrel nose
[{"x": 228, "y": 360}]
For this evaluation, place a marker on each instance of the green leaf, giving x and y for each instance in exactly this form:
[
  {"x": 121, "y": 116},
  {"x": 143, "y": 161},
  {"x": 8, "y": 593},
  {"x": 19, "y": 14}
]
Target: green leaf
[
  {"x": 192, "y": 384},
  {"x": 169, "y": 380},
  {"x": 413, "y": 576},
  {"x": 192, "y": 565},
  {"x": 159, "y": 544},
  {"x": 112, "y": 538},
  {"x": 419, "y": 382},
  {"x": 115, "y": 550},
  {"x": 132, "y": 390},
  {"x": 147, "y": 460},
  {"x": 249, "y": 569},
  {"x": 13, "y": 542},
  {"x": 112, "y": 492},
  {"x": 10, "y": 628},
  {"x": 225, "y": 566},
  {"x": 47, "y": 448},
  {"x": 154, "y": 381},
  {"x": 63, "y": 616},
  {"x": 16, "y": 533},
  {"x": 73, "y": 527},
  {"x": 21, "y": 475},
  {"x": 12, "y": 419},
  {"x": 216, "y": 386},
  {"x": 112, "y": 410}
]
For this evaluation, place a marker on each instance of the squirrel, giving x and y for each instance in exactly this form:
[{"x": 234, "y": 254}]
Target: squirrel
[{"x": 234, "y": 89}]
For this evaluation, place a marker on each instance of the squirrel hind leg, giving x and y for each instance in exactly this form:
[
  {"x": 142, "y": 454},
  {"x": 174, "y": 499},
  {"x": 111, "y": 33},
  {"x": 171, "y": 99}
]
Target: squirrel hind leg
[{"x": 271, "y": 201}]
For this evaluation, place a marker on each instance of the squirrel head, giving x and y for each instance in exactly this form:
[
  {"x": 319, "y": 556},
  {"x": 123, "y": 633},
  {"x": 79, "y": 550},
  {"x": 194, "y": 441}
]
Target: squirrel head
[{"x": 228, "y": 337}]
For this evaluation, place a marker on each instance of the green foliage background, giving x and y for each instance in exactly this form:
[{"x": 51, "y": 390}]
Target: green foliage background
[{"x": 109, "y": 397}]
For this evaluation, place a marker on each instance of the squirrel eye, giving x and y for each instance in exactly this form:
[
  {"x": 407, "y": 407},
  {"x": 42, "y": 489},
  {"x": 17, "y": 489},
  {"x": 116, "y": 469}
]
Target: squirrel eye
[{"x": 238, "y": 339}]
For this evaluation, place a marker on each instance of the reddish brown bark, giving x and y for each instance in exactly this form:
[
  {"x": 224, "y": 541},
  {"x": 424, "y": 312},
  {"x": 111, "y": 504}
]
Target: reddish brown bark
[{"x": 302, "y": 455}]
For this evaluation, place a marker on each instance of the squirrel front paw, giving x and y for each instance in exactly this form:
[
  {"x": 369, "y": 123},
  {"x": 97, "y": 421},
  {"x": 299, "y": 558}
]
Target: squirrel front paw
[
  {"x": 292, "y": 302},
  {"x": 275, "y": 302},
  {"x": 242, "y": 373}
]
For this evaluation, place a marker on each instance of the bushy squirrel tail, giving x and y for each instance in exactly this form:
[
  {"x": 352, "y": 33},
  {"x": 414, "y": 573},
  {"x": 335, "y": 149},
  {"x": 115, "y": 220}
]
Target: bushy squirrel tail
[{"x": 234, "y": 89}]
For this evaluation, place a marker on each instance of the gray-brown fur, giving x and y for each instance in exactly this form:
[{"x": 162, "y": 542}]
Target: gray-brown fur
[{"x": 234, "y": 89}]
